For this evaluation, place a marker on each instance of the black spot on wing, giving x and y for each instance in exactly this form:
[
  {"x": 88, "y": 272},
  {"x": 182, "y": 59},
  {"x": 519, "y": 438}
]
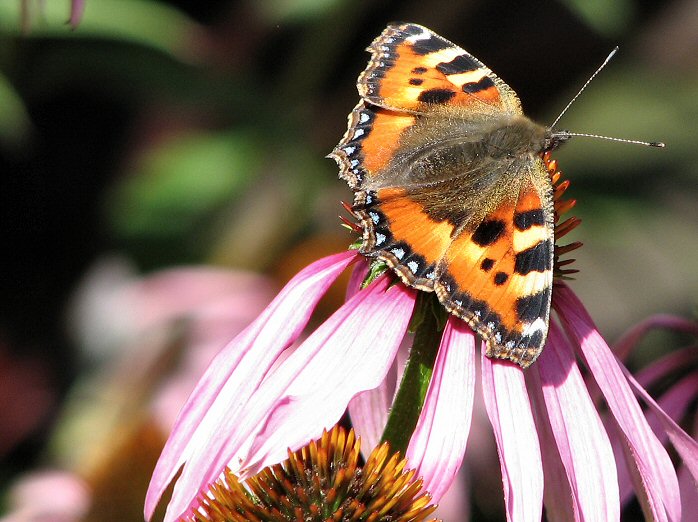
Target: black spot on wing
[
  {"x": 531, "y": 307},
  {"x": 488, "y": 232},
  {"x": 458, "y": 65},
  {"x": 473, "y": 87},
  {"x": 534, "y": 259},
  {"x": 416, "y": 81},
  {"x": 431, "y": 45},
  {"x": 487, "y": 264},
  {"x": 500, "y": 278},
  {"x": 529, "y": 218},
  {"x": 411, "y": 30},
  {"x": 419, "y": 70},
  {"x": 436, "y": 96},
  {"x": 536, "y": 339}
]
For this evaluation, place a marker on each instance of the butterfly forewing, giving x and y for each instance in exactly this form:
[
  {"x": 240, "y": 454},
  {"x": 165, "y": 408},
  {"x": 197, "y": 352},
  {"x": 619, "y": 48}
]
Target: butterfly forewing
[{"x": 412, "y": 68}]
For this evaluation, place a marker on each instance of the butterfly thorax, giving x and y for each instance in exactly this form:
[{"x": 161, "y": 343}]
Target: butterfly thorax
[{"x": 510, "y": 137}]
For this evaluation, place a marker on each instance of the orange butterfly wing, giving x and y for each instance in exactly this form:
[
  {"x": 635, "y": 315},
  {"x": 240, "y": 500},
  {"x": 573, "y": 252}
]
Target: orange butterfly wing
[{"x": 413, "y": 69}]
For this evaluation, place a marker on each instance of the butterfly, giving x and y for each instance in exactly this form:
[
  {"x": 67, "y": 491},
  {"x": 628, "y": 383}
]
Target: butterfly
[{"x": 451, "y": 189}]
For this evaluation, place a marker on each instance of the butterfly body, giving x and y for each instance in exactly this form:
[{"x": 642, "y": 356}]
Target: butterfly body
[{"x": 451, "y": 189}]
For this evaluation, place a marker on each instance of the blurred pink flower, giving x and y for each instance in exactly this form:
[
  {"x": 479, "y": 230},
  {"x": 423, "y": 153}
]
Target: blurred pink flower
[
  {"x": 77, "y": 9},
  {"x": 153, "y": 337},
  {"x": 48, "y": 496},
  {"x": 250, "y": 406}
]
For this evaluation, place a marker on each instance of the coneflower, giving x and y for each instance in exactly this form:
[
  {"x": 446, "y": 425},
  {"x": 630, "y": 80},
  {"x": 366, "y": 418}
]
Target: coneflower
[
  {"x": 321, "y": 482},
  {"x": 251, "y": 405}
]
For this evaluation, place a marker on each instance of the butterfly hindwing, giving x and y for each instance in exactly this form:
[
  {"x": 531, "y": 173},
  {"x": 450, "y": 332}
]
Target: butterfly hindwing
[{"x": 497, "y": 274}]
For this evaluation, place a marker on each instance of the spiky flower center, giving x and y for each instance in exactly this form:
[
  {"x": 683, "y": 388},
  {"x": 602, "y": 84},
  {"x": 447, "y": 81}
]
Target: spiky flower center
[
  {"x": 321, "y": 482},
  {"x": 561, "y": 268}
]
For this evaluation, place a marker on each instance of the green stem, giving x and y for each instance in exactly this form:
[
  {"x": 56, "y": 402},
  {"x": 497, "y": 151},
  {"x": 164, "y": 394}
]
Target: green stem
[{"x": 409, "y": 400}]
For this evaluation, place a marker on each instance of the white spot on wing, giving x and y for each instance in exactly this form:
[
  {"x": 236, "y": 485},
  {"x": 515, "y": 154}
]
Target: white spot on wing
[
  {"x": 358, "y": 133},
  {"x": 424, "y": 35},
  {"x": 374, "y": 217},
  {"x": 363, "y": 117},
  {"x": 413, "y": 266},
  {"x": 398, "y": 252},
  {"x": 536, "y": 326},
  {"x": 380, "y": 238}
]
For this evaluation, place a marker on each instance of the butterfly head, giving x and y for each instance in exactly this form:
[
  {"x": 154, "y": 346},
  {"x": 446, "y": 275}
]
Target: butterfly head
[{"x": 553, "y": 139}]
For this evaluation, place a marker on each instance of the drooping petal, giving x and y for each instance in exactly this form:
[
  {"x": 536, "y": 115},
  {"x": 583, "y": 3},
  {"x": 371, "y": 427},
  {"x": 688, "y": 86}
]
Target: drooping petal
[
  {"x": 631, "y": 337},
  {"x": 672, "y": 363},
  {"x": 658, "y": 477},
  {"x": 238, "y": 369},
  {"x": 582, "y": 442},
  {"x": 369, "y": 411},
  {"x": 558, "y": 498},
  {"x": 437, "y": 445},
  {"x": 677, "y": 397},
  {"x": 348, "y": 354},
  {"x": 301, "y": 394},
  {"x": 358, "y": 275},
  {"x": 687, "y": 483},
  {"x": 509, "y": 411}
]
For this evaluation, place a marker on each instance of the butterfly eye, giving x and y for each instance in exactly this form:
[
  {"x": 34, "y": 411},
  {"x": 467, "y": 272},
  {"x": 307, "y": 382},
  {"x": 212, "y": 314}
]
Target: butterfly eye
[{"x": 554, "y": 140}]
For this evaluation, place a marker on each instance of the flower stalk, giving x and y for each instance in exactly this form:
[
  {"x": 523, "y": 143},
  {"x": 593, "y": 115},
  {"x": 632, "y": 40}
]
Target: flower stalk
[{"x": 409, "y": 400}]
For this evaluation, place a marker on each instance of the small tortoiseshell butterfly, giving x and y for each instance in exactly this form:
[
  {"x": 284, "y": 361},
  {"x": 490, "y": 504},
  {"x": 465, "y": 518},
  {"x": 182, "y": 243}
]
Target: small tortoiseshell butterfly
[{"x": 451, "y": 188}]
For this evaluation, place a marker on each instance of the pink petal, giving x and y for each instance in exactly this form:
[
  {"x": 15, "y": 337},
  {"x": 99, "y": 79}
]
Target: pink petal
[
  {"x": 630, "y": 338},
  {"x": 236, "y": 371},
  {"x": 369, "y": 411},
  {"x": 658, "y": 476},
  {"x": 678, "y": 397},
  {"x": 454, "y": 505},
  {"x": 295, "y": 387},
  {"x": 437, "y": 446},
  {"x": 672, "y": 363},
  {"x": 582, "y": 442},
  {"x": 509, "y": 411},
  {"x": 350, "y": 353},
  {"x": 558, "y": 499},
  {"x": 358, "y": 276},
  {"x": 687, "y": 484}
]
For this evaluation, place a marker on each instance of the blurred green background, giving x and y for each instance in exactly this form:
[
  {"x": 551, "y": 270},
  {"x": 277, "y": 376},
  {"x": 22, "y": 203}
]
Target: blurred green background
[{"x": 186, "y": 132}]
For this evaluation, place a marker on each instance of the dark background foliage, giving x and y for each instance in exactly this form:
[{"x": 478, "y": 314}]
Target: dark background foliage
[{"x": 177, "y": 132}]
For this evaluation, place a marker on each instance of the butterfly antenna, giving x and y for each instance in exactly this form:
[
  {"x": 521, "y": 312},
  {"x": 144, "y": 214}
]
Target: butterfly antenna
[
  {"x": 608, "y": 59},
  {"x": 564, "y": 135},
  {"x": 567, "y": 134}
]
